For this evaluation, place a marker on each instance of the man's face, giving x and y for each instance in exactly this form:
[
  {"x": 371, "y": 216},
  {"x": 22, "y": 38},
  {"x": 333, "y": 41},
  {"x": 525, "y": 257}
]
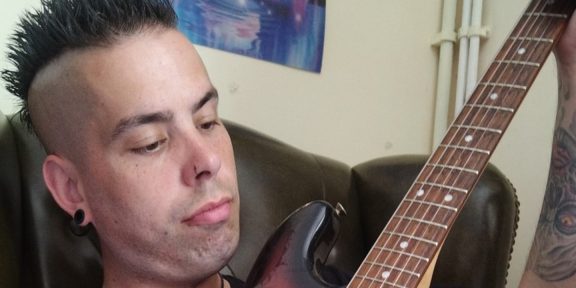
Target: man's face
[{"x": 157, "y": 173}]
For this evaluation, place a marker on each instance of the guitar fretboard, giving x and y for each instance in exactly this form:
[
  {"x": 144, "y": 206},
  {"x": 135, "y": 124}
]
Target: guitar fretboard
[{"x": 414, "y": 234}]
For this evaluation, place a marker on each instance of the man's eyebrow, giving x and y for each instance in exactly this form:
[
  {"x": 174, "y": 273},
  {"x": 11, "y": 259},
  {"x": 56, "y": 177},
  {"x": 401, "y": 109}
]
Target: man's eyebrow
[
  {"x": 158, "y": 117},
  {"x": 139, "y": 120},
  {"x": 212, "y": 94}
]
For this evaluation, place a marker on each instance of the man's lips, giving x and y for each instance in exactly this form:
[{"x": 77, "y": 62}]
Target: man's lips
[{"x": 211, "y": 213}]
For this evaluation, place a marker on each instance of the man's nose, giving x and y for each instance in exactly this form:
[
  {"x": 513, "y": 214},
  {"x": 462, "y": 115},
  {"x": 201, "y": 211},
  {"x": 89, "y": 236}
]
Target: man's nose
[{"x": 202, "y": 161}]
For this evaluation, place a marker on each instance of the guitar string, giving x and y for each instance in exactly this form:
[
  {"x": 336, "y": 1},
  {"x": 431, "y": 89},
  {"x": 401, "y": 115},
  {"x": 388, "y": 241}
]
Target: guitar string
[
  {"x": 482, "y": 97},
  {"x": 496, "y": 70}
]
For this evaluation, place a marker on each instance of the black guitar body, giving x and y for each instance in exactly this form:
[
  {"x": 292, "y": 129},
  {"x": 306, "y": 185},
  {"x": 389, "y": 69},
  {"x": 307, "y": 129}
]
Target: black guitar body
[{"x": 294, "y": 255}]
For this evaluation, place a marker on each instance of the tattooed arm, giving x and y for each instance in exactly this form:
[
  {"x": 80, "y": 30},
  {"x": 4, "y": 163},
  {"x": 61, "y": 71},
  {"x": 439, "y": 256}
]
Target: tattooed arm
[{"x": 552, "y": 259}]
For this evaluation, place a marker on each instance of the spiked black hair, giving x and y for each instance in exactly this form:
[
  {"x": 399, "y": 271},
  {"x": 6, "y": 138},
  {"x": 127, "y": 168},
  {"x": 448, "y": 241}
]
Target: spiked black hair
[{"x": 63, "y": 25}]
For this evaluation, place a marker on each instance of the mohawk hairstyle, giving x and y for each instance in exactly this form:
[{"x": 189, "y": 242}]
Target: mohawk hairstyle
[{"x": 63, "y": 25}]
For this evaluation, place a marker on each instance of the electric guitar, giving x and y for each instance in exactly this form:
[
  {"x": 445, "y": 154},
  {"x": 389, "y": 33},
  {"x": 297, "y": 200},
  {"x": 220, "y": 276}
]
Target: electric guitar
[{"x": 406, "y": 248}]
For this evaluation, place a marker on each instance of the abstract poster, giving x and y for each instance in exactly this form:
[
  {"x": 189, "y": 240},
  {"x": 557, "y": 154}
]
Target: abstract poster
[{"x": 288, "y": 32}]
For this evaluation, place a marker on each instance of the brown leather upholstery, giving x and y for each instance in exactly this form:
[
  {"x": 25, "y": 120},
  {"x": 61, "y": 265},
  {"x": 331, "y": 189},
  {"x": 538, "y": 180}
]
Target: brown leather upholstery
[{"x": 38, "y": 249}]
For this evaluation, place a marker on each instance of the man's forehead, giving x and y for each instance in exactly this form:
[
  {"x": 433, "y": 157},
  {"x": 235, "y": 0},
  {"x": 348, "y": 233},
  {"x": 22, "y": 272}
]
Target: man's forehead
[{"x": 131, "y": 75}]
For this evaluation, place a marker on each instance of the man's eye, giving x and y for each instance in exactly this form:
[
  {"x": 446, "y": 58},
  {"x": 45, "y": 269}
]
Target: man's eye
[
  {"x": 209, "y": 125},
  {"x": 150, "y": 148}
]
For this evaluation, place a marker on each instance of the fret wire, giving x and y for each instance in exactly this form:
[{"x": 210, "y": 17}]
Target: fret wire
[
  {"x": 505, "y": 109},
  {"x": 389, "y": 268},
  {"x": 452, "y": 167},
  {"x": 422, "y": 221},
  {"x": 553, "y": 15},
  {"x": 411, "y": 255},
  {"x": 487, "y": 152},
  {"x": 394, "y": 268},
  {"x": 485, "y": 129},
  {"x": 541, "y": 39},
  {"x": 374, "y": 279},
  {"x": 547, "y": 40},
  {"x": 442, "y": 186},
  {"x": 533, "y": 64},
  {"x": 452, "y": 209},
  {"x": 522, "y": 87},
  {"x": 421, "y": 239}
]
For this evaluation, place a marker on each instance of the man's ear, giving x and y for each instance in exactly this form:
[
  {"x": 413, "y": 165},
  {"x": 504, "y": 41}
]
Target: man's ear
[{"x": 62, "y": 179}]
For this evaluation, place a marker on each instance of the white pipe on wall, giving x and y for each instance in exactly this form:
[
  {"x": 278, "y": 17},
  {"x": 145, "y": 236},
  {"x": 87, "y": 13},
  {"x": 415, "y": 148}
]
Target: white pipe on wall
[
  {"x": 461, "y": 79},
  {"x": 476, "y": 26},
  {"x": 444, "y": 71}
]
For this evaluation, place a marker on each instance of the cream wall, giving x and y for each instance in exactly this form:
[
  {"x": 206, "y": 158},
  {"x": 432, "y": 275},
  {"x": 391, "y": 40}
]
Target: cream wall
[
  {"x": 9, "y": 14},
  {"x": 375, "y": 94}
]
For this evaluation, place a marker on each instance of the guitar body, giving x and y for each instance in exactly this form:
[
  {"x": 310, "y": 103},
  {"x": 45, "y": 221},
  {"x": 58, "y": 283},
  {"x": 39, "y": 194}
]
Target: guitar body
[{"x": 294, "y": 255}]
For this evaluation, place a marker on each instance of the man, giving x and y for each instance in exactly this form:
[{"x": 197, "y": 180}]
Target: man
[
  {"x": 552, "y": 259},
  {"x": 125, "y": 110}
]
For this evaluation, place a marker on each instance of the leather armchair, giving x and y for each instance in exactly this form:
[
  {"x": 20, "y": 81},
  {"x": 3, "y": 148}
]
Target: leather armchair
[{"x": 39, "y": 250}]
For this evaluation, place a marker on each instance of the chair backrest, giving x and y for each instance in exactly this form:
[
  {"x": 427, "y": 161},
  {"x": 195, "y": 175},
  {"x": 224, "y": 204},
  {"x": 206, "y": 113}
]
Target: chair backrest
[{"x": 10, "y": 219}]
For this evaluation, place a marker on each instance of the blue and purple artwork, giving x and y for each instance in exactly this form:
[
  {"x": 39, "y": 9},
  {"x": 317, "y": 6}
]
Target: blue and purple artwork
[{"x": 289, "y": 32}]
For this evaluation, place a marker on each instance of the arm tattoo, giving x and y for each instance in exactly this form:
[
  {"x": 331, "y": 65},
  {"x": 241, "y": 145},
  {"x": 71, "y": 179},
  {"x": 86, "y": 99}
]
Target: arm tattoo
[{"x": 553, "y": 255}]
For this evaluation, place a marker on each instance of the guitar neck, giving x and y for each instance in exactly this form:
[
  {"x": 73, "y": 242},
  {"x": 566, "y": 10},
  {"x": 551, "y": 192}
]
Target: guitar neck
[{"x": 414, "y": 234}]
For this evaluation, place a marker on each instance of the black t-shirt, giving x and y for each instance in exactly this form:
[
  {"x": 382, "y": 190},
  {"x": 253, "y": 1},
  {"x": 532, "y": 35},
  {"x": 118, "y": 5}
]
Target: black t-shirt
[{"x": 234, "y": 282}]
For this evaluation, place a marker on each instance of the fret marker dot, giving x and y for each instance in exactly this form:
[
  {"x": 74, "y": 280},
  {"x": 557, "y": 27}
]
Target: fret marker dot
[
  {"x": 448, "y": 198},
  {"x": 522, "y": 51},
  {"x": 468, "y": 138},
  {"x": 385, "y": 274},
  {"x": 404, "y": 245},
  {"x": 494, "y": 96},
  {"x": 420, "y": 193}
]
